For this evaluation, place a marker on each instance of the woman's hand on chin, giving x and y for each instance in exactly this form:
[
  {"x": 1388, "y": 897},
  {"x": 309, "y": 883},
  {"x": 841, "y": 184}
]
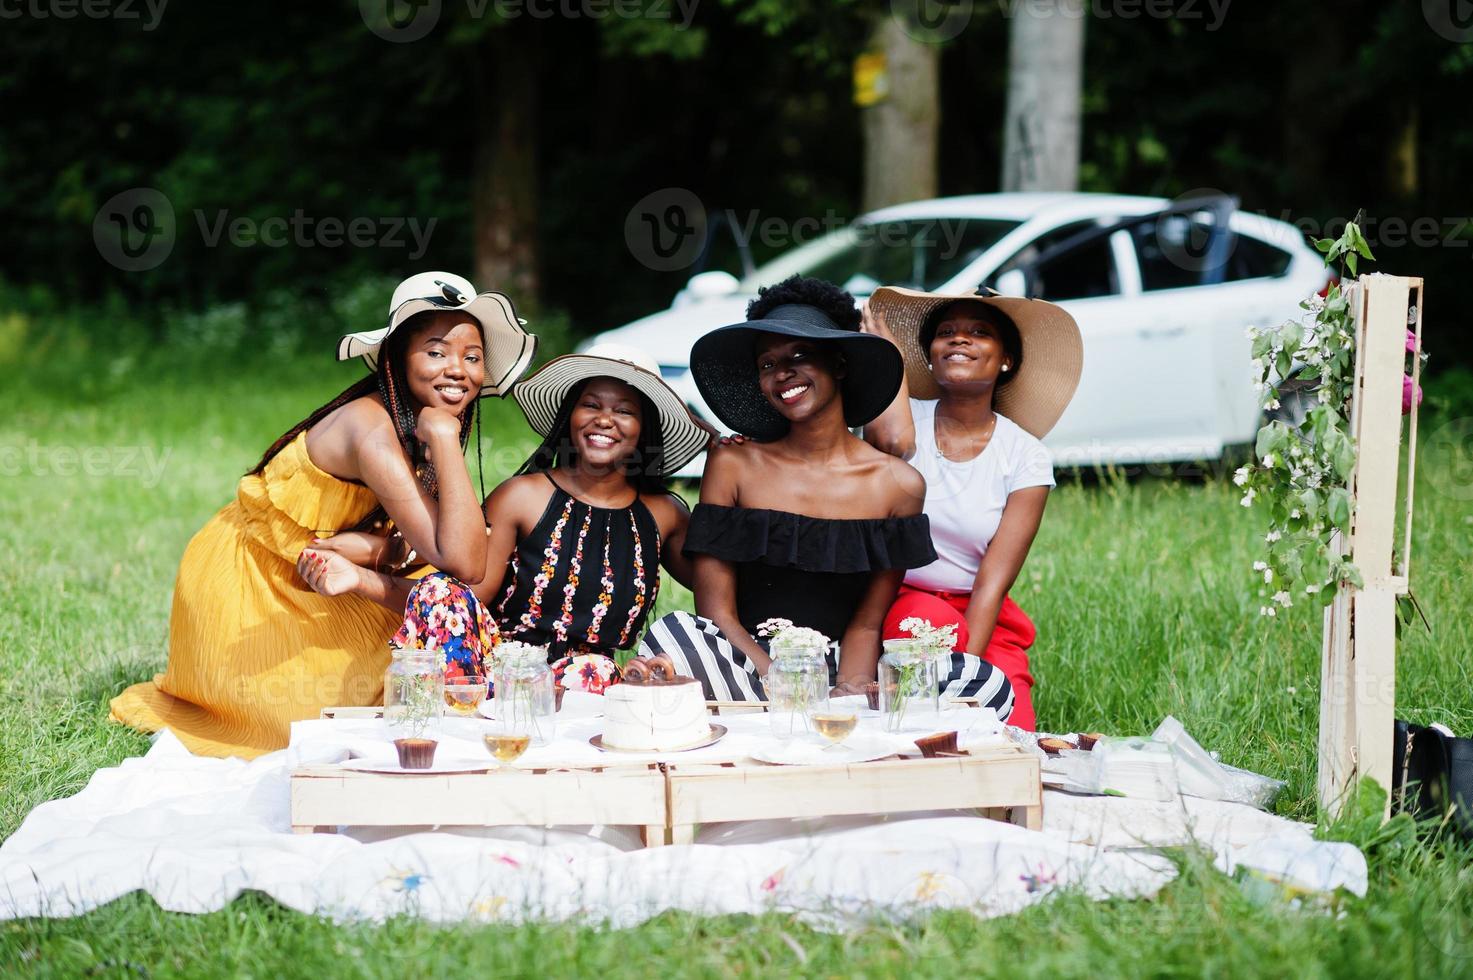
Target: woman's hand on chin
[
  {"x": 327, "y": 572},
  {"x": 436, "y": 424}
]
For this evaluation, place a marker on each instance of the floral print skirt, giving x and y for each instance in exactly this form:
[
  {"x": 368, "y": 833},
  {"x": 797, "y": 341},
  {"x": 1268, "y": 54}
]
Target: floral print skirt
[{"x": 444, "y": 614}]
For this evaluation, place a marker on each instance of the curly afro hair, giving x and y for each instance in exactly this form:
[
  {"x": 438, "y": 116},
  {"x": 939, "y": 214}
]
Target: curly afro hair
[{"x": 834, "y": 302}]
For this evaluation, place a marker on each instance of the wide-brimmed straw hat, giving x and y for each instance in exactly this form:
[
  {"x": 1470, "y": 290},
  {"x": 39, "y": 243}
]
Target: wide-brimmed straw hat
[
  {"x": 509, "y": 348},
  {"x": 542, "y": 394},
  {"x": 724, "y": 363},
  {"x": 1053, "y": 353}
]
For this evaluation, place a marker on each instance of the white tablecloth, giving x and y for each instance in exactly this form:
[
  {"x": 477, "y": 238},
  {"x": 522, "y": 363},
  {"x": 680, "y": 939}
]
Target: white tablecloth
[{"x": 194, "y": 832}]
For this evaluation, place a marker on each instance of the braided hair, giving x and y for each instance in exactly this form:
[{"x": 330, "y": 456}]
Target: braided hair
[
  {"x": 642, "y": 468},
  {"x": 391, "y": 383}
]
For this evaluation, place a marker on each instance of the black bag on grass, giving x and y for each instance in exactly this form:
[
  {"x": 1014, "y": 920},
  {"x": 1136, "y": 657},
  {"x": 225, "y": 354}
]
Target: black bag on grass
[{"x": 1432, "y": 776}]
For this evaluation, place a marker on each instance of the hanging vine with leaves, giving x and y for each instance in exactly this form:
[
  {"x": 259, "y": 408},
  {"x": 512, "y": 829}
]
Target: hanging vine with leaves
[{"x": 1305, "y": 455}]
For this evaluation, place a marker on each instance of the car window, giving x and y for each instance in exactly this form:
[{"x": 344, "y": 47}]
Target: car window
[
  {"x": 1253, "y": 258},
  {"x": 1173, "y": 253},
  {"x": 920, "y": 253},
  {"x": 1029, "y": 253},
  {"x": 1079, "y": 273},
  {"x": 1171, "y": 250}
]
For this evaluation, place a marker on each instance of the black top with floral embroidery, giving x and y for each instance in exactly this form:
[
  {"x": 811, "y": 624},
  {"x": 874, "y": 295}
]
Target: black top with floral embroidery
[{"x": 584, "y": 580}]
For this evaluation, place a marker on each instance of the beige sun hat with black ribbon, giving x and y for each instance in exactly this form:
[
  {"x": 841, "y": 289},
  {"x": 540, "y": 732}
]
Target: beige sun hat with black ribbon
[
  {"x": 509, "y": 348},
  {"x": 542, "y": 394},
  {"x": 1053, "y": 352}
]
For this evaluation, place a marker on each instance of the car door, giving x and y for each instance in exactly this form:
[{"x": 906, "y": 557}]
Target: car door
[
  {"x": 1139, "y": 397},
  {"x": 1212, "y": 295}
]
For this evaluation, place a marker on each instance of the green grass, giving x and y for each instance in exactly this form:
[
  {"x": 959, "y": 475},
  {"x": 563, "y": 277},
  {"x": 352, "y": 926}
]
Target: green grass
[{"x": 1141, "y": 591}]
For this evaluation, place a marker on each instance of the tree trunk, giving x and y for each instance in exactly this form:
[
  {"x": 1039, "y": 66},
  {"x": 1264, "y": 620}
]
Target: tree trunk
[
  {"x": 504, "y": 178},
  {"x": 901, "y": 130},
  {"x": 1045, "y": 75}
]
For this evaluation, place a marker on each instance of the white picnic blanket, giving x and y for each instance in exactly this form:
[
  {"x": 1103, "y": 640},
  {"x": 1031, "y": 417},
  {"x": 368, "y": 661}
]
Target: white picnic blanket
[{"x": 195, "y": 832}]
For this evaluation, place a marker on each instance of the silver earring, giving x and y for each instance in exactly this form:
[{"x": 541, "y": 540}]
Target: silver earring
[{"x": 1004, "y": 367}]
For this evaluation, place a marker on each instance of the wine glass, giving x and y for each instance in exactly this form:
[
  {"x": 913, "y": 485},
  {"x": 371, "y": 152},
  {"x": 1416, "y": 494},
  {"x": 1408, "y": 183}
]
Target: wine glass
[
  {"x": 506, "y": 745},
  {"x": 513, "y": 730},
  {"x": 464, "y": 694},
  {"x": 834, "y": 720}
]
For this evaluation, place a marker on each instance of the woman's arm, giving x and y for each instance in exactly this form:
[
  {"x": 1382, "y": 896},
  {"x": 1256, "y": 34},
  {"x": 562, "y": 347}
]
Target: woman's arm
[
  {"x": 359, "y": 547},
  {"x": 859, "y": 651},
  {"x": 511, "y": 511},
  {"x": 674, "y": 518},
  {"x": 714, "y": 579},
  {"x": 330, "y": 573},
  {"x": 894, "y": 431},
  {"x": 448, "y": 533},
  {"x": 1006, "y": 552},
  {"x": 715, "y": 587}
]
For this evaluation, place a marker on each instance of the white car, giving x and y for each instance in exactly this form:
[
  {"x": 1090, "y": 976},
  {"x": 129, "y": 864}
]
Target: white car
[{"x": 1163, "y": 292}]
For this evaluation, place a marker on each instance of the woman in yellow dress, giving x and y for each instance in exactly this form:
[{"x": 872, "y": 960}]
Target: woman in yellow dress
[{"x": 251, "y": 647}]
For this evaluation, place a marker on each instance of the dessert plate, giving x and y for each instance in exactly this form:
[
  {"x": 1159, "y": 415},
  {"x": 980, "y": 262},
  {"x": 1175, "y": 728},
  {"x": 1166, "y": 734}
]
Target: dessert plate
[
  {"x": 801, "y": 753},
  {"x": 717, "y": 733},
  {"x": 438, "y": 769}
]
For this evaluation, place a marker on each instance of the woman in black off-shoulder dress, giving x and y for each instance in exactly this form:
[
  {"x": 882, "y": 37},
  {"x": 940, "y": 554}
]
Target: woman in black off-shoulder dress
[{"x": 802, "y": 520}]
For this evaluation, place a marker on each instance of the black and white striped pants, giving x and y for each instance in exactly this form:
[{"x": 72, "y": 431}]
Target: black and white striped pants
[{"x": 700, "y": 650}]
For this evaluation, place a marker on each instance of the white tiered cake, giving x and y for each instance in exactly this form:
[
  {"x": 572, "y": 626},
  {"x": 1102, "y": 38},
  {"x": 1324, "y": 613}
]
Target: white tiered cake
[{"x": 654, "y": 715}]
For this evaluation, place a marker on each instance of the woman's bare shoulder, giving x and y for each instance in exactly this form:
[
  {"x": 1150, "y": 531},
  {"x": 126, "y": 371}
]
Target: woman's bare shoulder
[
  {"x": 523, "y": 497},
  {"x": 668, "y": 509},
  {"x": 906, "y": 487},
  {"x": 336, "y": 441}
]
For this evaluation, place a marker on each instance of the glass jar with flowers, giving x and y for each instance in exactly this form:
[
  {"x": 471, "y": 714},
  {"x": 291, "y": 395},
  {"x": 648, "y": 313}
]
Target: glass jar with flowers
[
  {"x": 798, "y": 677},
  {"x": 524, "y": 692},
  {"x": 908, "y": 684}
]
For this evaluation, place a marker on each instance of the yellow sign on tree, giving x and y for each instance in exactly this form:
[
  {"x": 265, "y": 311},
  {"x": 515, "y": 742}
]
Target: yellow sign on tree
[{"x": 871, "y": 79}]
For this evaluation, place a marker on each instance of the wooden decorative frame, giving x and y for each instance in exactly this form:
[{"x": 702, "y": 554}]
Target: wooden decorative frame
[{"x": 1358, "y": 674}]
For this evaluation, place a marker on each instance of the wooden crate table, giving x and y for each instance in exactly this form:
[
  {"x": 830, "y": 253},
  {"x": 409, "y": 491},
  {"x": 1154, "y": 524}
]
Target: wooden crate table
[
  {"x": 668, "y": 799},
  {"x": 325, "y": 797},
  {"x": 1002, "y": 781}
]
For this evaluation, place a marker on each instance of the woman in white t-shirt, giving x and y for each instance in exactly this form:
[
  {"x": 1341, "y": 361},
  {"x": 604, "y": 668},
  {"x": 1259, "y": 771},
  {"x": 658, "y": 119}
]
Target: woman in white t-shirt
[{"x": 986, "y": 378}]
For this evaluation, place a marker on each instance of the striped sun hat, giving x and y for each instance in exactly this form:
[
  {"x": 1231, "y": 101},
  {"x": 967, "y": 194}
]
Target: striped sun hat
[
  {"x": 542, "y": 394},
  {"x": 509, "y": 348}
]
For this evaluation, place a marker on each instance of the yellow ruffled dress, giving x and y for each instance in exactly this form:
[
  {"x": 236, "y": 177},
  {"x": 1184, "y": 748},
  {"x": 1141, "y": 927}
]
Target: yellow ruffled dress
[{"x": 251, "y": 647}]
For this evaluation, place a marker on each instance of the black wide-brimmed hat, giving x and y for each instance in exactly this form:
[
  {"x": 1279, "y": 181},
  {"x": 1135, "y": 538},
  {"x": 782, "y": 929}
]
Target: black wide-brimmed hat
[{"x": 724, "y": 363}]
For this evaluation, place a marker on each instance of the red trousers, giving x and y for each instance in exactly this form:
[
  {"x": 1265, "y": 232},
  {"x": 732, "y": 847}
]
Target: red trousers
[{"x": 1007, "y": 649}]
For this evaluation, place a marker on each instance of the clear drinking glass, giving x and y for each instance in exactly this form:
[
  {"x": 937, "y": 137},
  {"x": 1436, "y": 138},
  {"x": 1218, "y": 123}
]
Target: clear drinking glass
[
  {"x": 464, "y": 694},
  {"x": 833, "y": 719}
]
